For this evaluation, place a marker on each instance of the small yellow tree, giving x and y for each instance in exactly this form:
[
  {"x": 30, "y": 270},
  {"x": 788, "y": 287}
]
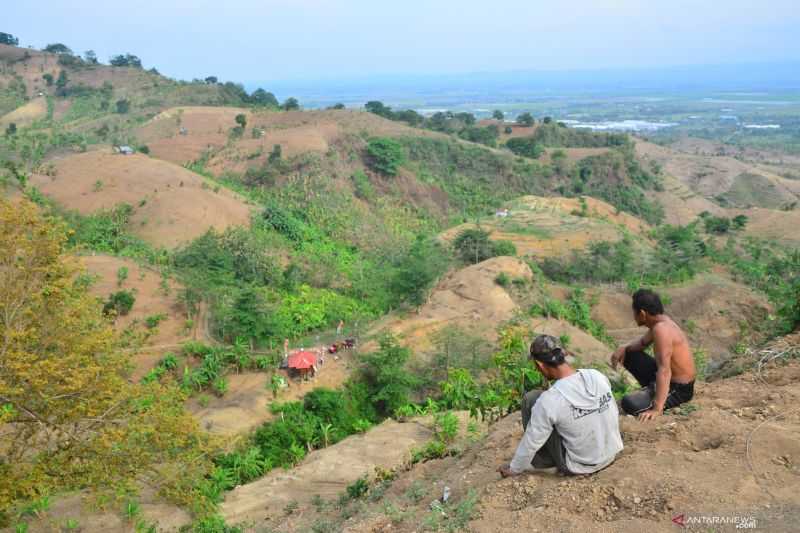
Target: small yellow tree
[{"x": 69, "y": 415}]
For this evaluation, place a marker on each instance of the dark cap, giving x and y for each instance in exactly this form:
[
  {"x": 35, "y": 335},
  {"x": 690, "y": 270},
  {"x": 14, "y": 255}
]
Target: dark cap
[{"x": 547, "y": 349}]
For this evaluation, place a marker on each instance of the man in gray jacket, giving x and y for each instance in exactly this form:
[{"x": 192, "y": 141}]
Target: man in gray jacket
[{"x": 573, "y": 425}]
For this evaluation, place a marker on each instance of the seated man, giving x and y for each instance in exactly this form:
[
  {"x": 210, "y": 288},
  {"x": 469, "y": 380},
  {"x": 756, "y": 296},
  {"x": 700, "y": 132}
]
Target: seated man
[
  {"x": 667, "y": 380},
  {"x": 573, "y": 425}
]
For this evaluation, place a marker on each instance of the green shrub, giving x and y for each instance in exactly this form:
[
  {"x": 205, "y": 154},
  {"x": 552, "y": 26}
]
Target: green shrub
[
  {"x": 363, "y": 187},
  {"x": 153, "y": 321},
  {"x": 473, "y": 246},
  {"x": 120, "y": 302},
  {"x": 504, "y": 248},
  {"x": 502, "y": 279},
  {"x": 385, "y": 155},
  {"x": 525, "y": 146},
  {"x": 446, "y": 426},
  {"x": 358, "y": 488}
]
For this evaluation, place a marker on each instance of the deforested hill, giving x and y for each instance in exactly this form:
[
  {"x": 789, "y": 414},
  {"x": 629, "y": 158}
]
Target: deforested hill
[{"x": 171, "y": 236}]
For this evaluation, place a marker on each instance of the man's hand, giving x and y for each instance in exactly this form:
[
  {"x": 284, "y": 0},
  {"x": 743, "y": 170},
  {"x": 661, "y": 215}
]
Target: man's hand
[
  {"x": 505, "y": 471},
  {"x": 617, "y": 356},
  {"x": 650, "y": 414}
]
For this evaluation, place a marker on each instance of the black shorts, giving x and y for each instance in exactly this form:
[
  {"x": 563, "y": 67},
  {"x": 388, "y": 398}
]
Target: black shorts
[{"x": 643, "y": 367}]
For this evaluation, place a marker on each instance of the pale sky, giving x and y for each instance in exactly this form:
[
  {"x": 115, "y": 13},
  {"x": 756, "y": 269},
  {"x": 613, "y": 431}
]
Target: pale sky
[{"x": 245, "y": 40}]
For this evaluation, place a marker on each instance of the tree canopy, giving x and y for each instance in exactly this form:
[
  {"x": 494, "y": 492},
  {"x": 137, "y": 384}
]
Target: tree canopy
[
  {"x": 7, "y": 38},
  {"x": 125, "y": 60},
  {"x": 58, "y": 48},
  {"x": 69, "y": 415}
]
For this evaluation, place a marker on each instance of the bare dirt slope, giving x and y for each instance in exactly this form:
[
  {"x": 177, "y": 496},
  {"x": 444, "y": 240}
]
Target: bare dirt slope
[
  {"x": 469, "y": 298},
  {"x": 715, "y": 175},
  {"x": 24, "y": 115},
  {"x": 171, "y": 204},
  {"x": 326, "y": 472},
  {"x": 713, "y": 310},
  {"x": 548, "y": 227},
  {"x": 735, "y": 452},
  {"x": 297, "y": 132},
  {"x": 151, "y": 301}
]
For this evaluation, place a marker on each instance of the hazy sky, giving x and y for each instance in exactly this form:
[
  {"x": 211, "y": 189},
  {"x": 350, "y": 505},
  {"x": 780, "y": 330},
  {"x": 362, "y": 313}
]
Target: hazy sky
[{"x": 245, "y": 40}]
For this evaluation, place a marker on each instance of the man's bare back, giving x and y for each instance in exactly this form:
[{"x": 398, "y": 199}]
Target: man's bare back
[{"x": 667, "y": 332}]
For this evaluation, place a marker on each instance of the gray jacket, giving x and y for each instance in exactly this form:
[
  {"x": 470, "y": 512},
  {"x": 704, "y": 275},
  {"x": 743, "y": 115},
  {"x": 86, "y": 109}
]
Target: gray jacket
[{"x": 583, "y": 411}]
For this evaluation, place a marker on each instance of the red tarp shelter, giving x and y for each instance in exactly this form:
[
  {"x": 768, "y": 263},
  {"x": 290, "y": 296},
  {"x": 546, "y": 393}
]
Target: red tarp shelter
[{"x": 302, "y": 360}]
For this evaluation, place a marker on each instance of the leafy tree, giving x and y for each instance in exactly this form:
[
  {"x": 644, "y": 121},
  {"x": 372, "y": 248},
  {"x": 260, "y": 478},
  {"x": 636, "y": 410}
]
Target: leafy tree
[
  {"x": 275, "y": 154},
  {"x": 70, "y": 416},
  {"x": 418, "y": 271},
  {"x": 48, "y": 79},
  {"x": 211, "y": 80},
  {"x": 120, "y": 302},
  {"x": 61, "y": 83},
  {"x": 486, "y": 135},
  {"x": 11, "y": 130},
  {"x": 468, "y": 119},
  {"x": 291, "y": 104},
  {"x": 508, "y": 130},
  {"x": 385, "y": 377},
  {"x": 7, "y": 38},
  {"x": 338, "y": 106},
  {"x": 241, "y": 120},
  {"x": 547, "y": 120},
  {"x": 58, "y": 48},
  {"x": 525, "y": 119},
  {"x": 123, "y": 106},
  {"x": 409, "y": 116},
  {"x": 125, "y": 60},
  {"x": 498, "y": 115},
  {"x": 91, "y": 57},
  {"x": 385, "y": 155},
  {"x": 378, "y": 108},
  {"x": 525, "y": 146},
  {"x": 739, "y": 222},
  {"x": 473, "y": 245},
  {"x": 717, "y": 225},
  {"x": 264, "y": 98}
]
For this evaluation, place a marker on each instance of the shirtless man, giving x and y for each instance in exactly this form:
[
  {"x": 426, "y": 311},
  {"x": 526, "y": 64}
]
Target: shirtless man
[{"x": 668, "y": 380}]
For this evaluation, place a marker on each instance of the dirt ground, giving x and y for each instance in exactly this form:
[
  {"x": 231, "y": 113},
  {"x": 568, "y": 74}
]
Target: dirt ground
[
  {"x": 469, "y": 298},
  {"x": 150, "y": 301},
  {"x": 734, "y": 451},
  {"x": 692, "y": 181},
  {"x": 246, "y": 404},
  {"x": 22, "y": 116},
  {"x": 326, "y": 472},
  {"x": 550, "y": 227},
  {"x": 714, "y": 311},
  {"x": 296, "y": 132},
  {"x": 171, "y": 204}
]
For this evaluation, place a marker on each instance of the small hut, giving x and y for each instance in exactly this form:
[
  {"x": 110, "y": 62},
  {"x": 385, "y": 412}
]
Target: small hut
[{"x": 303, "y": 363}]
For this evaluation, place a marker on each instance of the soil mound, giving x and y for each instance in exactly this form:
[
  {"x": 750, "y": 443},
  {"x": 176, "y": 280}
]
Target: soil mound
[
  {"x": 469, "y": 298},
  {"x": 171, "y": 204}
]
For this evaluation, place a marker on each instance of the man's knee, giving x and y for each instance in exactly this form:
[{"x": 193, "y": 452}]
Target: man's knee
[
  {"x": 530, "y": 399},
  {"x": 527, "y": 404},
  {"x": 636, "y": 402}
]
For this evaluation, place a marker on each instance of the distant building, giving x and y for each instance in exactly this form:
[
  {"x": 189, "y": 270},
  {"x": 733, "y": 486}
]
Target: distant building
[{"x": 124, "y": 149}]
